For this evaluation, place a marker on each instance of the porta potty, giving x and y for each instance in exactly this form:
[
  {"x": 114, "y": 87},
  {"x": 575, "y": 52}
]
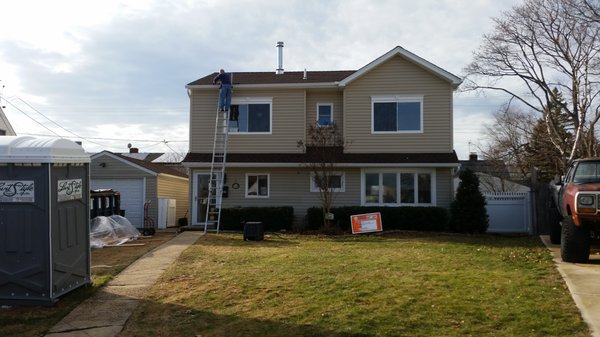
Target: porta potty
[{"x": 44, "y": 219}]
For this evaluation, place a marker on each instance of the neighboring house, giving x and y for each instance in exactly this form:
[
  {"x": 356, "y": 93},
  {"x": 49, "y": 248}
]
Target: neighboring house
[
  {"x": 396, "y": 112},
  {"x": 493, "y": 175},
  {"x": 140, "y": 181},
  {"x": 5, "y": 127}
]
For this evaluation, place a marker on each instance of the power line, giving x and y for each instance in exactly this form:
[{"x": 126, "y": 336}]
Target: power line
[
  {"x": 33, "y": 119},
  {"x": 45, "y": 127},
  {"x": 87, "y": 139},
  {"x": 114, "y": 139}
]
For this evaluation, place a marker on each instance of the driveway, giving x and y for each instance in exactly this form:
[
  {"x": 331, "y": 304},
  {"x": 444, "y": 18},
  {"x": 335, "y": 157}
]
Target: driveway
[{"x": 583, "y": 281}]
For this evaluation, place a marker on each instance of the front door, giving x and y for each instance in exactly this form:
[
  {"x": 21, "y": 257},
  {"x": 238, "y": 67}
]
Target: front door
[{"x": 200, "y": 197}]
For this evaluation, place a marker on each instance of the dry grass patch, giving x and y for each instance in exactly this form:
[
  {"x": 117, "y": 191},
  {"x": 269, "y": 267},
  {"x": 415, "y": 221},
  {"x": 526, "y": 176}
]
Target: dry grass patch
[
  {"x": 398, "y": 285},
  {"x": 106, "y": 263}
]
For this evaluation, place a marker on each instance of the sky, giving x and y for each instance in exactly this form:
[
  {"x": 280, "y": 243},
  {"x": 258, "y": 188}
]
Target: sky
[{"x": 109, "y": 72}]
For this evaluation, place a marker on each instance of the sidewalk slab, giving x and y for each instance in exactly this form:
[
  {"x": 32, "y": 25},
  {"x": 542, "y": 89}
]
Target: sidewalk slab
[
  {"x": 583, "y": 283},
  {"x": 105, "y": 313}
]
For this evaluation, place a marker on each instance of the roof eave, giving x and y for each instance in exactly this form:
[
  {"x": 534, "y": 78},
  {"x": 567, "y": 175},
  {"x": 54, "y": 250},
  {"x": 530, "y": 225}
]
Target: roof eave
[{"x": 318, "y": 85}]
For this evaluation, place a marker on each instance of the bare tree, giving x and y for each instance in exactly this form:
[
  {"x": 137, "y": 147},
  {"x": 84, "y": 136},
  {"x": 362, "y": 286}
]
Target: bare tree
[
  {"x": 324, "y": 148},
  {"x": 506, "y": 151},
  {"x": 541, "y": 46}
]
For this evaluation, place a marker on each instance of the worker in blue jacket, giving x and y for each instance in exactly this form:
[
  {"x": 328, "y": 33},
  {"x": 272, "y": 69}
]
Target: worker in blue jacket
[{"x": 224, "y": 80}]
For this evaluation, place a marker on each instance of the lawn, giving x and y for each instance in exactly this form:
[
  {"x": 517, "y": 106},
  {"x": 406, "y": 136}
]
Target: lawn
[
  {"x": 106, "y": 263},
  {"x": 402, "y": 284}
]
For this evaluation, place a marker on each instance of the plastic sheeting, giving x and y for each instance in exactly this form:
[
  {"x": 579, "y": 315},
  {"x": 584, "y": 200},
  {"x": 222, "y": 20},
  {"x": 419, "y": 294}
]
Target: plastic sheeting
[{"x": 111, "y": 230}]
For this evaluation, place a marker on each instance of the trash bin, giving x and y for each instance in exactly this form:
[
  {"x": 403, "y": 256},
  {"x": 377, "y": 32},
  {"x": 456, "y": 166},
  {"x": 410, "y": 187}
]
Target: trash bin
[
  {"x": 253, "y": 230},
  {"x": 44, "y": 219}
]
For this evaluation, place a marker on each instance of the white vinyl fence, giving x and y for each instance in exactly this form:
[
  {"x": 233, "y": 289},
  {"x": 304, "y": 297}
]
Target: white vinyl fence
[{"x": 509, "y": 212}]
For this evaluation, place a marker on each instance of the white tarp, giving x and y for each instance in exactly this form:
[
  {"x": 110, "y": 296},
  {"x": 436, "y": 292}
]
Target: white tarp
[{"x": 111, "y": 230}]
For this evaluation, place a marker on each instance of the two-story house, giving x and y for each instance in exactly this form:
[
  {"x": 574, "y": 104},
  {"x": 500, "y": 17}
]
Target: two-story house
[{"x": 396, "y": 112}]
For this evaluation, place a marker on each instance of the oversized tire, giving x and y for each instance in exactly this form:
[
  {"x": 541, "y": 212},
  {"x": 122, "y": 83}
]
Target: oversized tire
[
  {"x": 555, "y": 232},
  {"x": 554, "y": 218},
  {"x": 574, "y": 242}
]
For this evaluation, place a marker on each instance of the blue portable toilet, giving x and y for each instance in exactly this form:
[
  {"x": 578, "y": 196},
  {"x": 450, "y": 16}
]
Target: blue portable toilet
[{"x": 44, "y": 219}]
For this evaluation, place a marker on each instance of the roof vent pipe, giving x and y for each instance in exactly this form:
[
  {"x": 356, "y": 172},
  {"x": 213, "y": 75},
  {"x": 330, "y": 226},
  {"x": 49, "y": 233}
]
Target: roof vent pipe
[
  {"x": 279, "y": 70},
  {"x": 304, "y": 77}
]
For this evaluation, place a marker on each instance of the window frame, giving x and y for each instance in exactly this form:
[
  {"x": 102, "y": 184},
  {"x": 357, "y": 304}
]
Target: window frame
[
  {"x": 330, "y": 105},
  {"x": 399, "y": 172},
  {"x": 249, "y": 101},
  {"x": 397, "y": 99},
  {"x": 315, "y": 188},
  {"x": 258, "y": 196}
]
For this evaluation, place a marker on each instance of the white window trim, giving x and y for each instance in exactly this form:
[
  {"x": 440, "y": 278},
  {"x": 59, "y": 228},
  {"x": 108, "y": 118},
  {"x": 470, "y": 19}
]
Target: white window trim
[
  {"x": 432, "y": 172},
  {"x": 396, "y": 99},
  {"x": 254, "y": 100},
  {"x": 324, "y": 104},
  {"x": 315, "y": 188},
  {"x": 258, "y": 196}
]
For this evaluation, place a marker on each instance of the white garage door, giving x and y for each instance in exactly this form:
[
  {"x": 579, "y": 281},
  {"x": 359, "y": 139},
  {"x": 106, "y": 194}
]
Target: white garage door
[{"x": 132, "y": 196}]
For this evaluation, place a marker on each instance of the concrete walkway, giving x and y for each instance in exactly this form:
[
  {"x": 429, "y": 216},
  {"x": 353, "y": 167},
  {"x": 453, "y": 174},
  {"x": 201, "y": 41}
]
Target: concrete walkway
[
  {"x": 105, "y": 314},
  {"x": 583, "y": 281}
]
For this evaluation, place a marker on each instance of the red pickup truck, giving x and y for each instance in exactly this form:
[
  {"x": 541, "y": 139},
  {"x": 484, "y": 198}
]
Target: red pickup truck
[{"x": 578, "y": 201}]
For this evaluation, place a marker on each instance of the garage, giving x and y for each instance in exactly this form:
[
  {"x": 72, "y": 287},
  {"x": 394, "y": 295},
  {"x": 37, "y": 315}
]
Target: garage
[
  {"x": 140, "y": 181},
  {"x": 132, "y": 196}
]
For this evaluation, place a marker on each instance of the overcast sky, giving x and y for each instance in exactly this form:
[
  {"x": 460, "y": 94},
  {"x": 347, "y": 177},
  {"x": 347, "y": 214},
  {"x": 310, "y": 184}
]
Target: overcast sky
[{"x": 114, "y": 72}]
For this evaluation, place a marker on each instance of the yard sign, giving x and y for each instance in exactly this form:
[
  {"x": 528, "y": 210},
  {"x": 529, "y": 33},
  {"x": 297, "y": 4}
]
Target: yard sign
[{"x": 365, "y": 223}]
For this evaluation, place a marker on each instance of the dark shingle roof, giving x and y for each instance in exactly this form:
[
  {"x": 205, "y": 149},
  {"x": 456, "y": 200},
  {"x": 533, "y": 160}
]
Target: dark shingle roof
[
  {"x": 158, "y": 168},
  {"x": 289, "y": 77},
  {"x": 346, "y": 158}
]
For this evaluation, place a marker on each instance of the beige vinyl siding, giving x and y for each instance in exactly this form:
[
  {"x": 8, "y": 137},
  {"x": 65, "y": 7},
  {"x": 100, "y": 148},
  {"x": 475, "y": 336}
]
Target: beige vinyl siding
[
  {"x": 444, "y": 187},
  {"x": 289, "y": 187},
  {"x": 288, "y": 122},
  {"x": 174, "y": 188},
  {"x": 399, "y": 77},
  {"x": 334, "y": 97}
]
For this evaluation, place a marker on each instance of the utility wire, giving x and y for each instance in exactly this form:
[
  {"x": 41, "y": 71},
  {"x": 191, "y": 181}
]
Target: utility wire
[
  {"x": 53, "y": 122},
  {"x": 88, "y": 139},
  {"x": 33, "y": 119},
  {"x": 115, "y": 139}
]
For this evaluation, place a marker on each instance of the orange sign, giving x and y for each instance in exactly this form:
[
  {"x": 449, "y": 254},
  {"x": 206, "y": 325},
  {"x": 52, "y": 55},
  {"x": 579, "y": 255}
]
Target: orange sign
[{"x": 365, "y": 223}]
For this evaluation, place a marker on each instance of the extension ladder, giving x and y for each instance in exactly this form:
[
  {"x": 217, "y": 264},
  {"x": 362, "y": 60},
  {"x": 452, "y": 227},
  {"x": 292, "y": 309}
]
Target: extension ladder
[{"x": 217, "y": 172}]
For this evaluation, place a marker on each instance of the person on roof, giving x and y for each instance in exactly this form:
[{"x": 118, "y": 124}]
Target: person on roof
[{"x": 224, "y": 80}]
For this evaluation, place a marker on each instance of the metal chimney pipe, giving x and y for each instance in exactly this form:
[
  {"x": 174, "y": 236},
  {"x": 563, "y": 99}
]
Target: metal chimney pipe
[{"x": 279, "y": 70}]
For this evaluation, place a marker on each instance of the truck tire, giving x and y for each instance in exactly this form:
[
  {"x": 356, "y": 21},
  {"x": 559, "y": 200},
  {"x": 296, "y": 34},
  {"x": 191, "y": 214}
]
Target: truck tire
[
  {"x": 555, "y": 227},
  {"x": 555, "y": 232},
  {"x": 574, "y": 242}
]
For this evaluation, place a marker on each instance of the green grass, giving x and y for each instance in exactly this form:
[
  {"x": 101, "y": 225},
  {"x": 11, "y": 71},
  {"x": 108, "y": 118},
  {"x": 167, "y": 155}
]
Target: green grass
[{"x": 392, "y": 285}]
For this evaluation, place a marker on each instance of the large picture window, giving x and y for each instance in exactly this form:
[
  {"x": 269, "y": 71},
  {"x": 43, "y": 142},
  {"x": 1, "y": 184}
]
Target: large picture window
[
  {"x": 398, "y": 188},
  {"x": 257, "y": 185},
  {"x": 250, "y": 115},
  {"x": 396, "y": 114}
]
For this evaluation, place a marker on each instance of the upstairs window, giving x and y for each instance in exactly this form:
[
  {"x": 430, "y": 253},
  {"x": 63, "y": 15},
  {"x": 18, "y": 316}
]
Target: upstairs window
[
  {"x": 250, "y": 115},
  {"x": 2, "y": 132},
  {"x": 324, "y": 114},
  {"x": 397, "y": 114}
]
